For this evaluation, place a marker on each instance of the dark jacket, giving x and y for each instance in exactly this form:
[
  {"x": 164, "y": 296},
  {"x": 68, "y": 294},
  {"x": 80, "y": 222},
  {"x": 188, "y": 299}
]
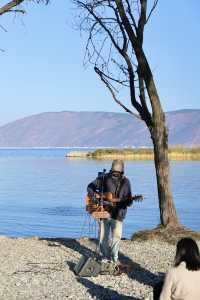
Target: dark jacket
[{"x": 120, "y": 187}]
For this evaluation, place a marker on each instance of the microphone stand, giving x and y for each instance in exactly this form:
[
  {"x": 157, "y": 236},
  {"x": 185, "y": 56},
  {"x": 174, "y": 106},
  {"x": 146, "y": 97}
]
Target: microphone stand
[{"x": 101, "y": 204}]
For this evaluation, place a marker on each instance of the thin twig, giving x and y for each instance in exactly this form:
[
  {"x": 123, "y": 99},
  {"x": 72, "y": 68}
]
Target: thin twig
[
  {"x": 151, "y": 11},
  {"x": 113, "y": 94},
  {"x": 9, "y": 6},
  {"x": 3, "y": 28}
]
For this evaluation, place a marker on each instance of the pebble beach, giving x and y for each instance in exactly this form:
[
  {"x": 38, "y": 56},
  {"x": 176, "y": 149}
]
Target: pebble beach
[{"x": 39, "y": 268}]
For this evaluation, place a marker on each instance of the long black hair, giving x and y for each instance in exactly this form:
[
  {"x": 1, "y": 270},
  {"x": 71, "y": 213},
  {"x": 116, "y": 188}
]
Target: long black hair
[{"x": 188, "y": 251}]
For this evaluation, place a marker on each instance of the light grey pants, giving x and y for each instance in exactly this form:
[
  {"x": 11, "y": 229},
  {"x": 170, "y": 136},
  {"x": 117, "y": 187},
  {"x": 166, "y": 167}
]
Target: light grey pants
[{"x": 107, "y": 227}]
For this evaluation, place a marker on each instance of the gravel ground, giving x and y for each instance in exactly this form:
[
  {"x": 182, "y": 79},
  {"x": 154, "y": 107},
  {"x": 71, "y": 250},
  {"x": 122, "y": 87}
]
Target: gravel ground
[{"x": 33, "y": 268}]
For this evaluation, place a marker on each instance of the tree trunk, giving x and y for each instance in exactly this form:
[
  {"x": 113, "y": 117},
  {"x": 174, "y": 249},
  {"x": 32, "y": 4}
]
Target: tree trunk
[
  {"x": 168, "y": 216},
  {"x": 159, "y": 135}
]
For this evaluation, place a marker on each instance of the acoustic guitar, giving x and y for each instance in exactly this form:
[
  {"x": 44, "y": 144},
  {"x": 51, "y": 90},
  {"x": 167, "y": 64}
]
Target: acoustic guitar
[{"x": 99, "y": 206}]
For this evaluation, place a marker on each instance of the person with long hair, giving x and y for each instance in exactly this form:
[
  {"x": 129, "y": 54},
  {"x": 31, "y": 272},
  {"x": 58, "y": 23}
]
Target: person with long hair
[{"x": 182, "y": 282}]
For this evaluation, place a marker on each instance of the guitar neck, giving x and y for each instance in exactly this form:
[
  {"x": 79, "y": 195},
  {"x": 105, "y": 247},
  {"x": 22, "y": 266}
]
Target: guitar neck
[
  {"x": 137, "y": 198},
  {"x": 112, "y": 199}
]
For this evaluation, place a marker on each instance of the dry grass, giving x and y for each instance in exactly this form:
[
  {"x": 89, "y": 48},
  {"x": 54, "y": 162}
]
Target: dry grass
[
  {"x": 175, "y": 153},
  {"x": 169, "y": 235}
]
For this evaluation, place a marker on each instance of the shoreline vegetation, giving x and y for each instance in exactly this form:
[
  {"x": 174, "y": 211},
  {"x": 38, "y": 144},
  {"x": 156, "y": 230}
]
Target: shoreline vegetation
[{"x": 175, "y": 153}]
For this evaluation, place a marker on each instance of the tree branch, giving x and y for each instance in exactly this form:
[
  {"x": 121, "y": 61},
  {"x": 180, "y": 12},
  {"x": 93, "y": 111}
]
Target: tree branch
[
  {"x": 151, "y": 11},
  {"x": 8, "y": 7},
  {"x": 100, "y": 73},
  {"x": 122, "y": 82},
  {"x": 130, "y": 14},
  {"x": 22, "y": 11},
  {"x": 134, "y": 102},
  {"x": 125, "y": 40},
  {"x": 126, "y": 22},
  {"x": 3, "y": 28},
  {"x": 147, "y": 114},
  {"x": 142, "y": 20},
  {"x": 99, "y": 20}
]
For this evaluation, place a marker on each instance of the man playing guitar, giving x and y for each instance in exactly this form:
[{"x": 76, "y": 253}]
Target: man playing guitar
[{"x": 115, "y": 189}]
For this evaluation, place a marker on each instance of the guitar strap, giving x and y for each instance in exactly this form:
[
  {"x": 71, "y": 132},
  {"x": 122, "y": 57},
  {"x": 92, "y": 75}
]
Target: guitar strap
[{"x": 119, "y": 186}]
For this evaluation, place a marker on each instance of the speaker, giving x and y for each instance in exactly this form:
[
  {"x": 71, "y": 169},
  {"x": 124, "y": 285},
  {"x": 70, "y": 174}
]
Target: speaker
[
  {"x": 110, "y": 268},
  {"x": 87, "y": 267}
]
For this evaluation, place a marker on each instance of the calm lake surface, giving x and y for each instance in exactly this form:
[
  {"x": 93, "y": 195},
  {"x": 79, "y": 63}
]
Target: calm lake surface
[{"x": 42, "y": 193}]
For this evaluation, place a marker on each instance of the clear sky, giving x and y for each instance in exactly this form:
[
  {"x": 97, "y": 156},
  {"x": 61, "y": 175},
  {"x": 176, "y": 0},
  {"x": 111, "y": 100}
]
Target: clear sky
[{"x": 42, "y": 66}]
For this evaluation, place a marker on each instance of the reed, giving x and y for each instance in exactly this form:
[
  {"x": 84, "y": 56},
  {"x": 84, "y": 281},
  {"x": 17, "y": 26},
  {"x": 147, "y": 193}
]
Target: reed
[
  {"x": 175, "y": 153},
  {"x": 178, "y": 152}
]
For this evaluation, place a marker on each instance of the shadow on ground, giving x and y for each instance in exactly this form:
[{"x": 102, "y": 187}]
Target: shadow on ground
[
  {"x": 137, "y": 272},
  {"x": 101, "y": 293}
]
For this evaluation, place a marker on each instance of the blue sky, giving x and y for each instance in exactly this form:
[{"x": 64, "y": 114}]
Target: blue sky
[{"x": 42, "y": 66}]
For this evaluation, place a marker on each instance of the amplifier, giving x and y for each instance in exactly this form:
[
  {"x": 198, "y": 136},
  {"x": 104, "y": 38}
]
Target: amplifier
[{"x": 87, "y": 267}]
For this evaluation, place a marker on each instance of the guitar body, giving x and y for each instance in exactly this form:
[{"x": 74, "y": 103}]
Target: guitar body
[
  {"x": 101, "y": 211},
  {"x": 97, "y": 210},
  {"x": 91, "y": 205}
]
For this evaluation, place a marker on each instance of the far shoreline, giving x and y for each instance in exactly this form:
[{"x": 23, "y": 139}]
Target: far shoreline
[{"x": 177, "y": 153}]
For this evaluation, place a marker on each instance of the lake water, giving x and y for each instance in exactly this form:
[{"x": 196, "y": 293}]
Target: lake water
[{"x": 42, "y": 193}]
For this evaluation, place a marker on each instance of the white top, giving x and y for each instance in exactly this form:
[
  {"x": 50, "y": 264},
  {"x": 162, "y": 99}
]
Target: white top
[{"x": 181, "y": 284}]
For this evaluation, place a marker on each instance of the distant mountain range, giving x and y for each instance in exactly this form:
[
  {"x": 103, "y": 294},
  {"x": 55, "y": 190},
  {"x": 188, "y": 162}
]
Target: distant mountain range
[{"x": 96, "y": 129}]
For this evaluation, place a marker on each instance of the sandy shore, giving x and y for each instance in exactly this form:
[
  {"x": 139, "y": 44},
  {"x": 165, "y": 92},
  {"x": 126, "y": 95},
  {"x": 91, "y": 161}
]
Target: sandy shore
[{"x": 33, "y": 268}]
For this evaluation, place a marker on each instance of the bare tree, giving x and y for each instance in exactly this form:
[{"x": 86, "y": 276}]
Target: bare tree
[{"x": 115, "y": 30}]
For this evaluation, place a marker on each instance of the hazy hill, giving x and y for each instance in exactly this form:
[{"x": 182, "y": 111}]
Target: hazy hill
[{"x": 60, "y": 129}]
